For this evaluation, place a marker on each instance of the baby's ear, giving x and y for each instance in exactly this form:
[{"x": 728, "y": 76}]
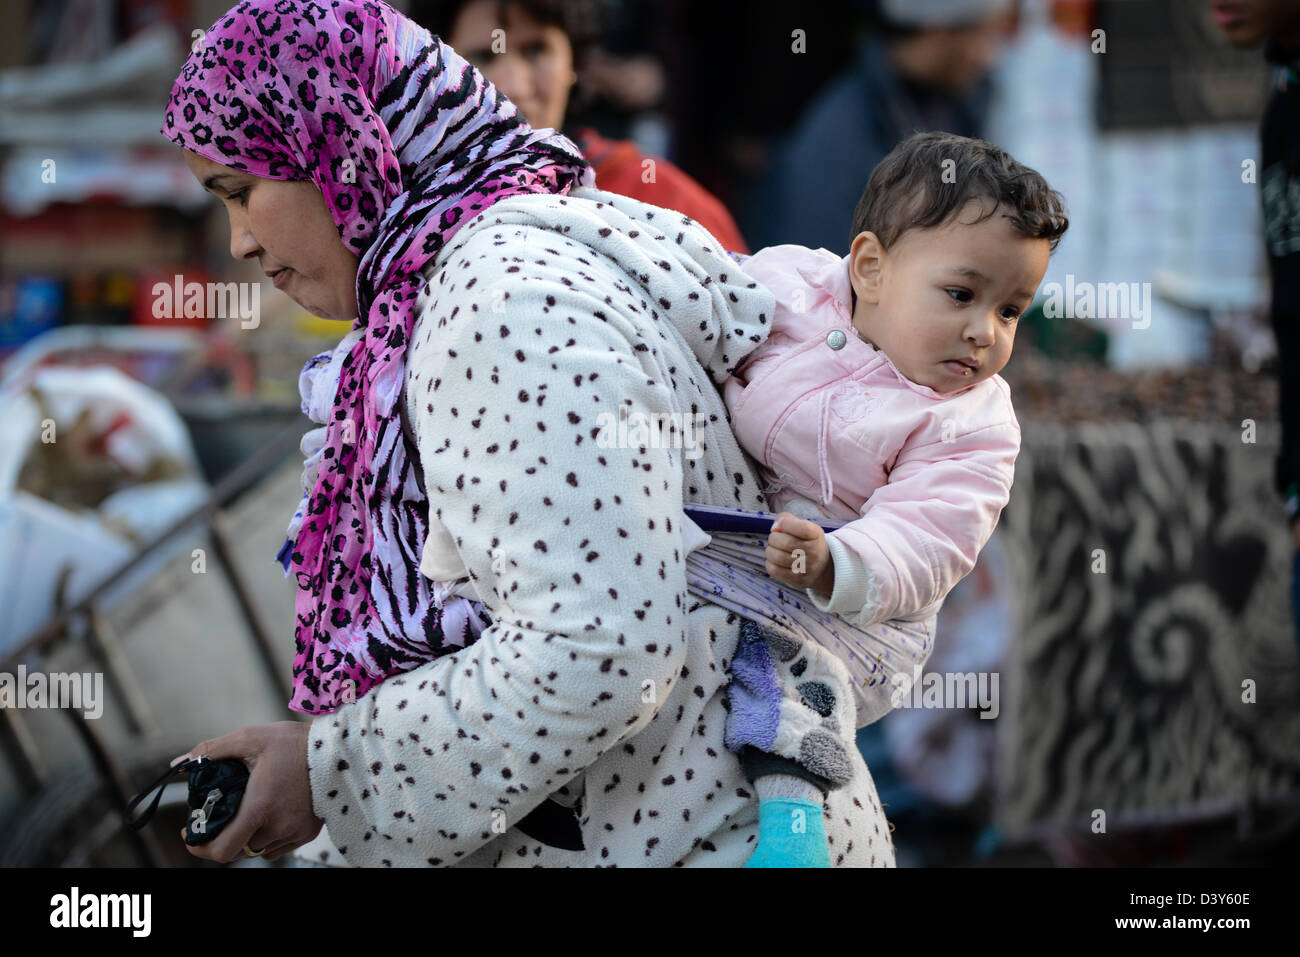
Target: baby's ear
[{"x": 866, "y": 266}]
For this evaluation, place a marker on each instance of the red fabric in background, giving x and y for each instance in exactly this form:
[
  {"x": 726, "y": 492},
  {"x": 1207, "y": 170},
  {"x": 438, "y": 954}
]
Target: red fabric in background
[{"x": 618, "y": 166}]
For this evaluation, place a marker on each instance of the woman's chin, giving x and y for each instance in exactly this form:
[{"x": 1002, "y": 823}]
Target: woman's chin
[{"x": 319, "y": 311}]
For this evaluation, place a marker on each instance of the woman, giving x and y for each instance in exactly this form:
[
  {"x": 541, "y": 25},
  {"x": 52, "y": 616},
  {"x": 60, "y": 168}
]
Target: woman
[
  {"x": 533, "y": 52},
  {"x": 378, "y": 178}
]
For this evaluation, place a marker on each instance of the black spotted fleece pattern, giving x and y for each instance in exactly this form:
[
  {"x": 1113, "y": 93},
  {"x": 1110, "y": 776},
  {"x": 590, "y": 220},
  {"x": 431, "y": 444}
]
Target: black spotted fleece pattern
[{"x": 602, "y": 682}]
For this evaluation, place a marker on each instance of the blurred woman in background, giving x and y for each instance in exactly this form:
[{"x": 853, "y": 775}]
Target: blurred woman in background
[{"x": 535, "y": 60}]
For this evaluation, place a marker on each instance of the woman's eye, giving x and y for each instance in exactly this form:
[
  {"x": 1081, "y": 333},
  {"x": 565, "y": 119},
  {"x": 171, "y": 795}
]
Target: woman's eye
[
  {"x": 959, "y": 295},
  {"x": 535, "y": 50},
  {"x": 241, "y": 196}
]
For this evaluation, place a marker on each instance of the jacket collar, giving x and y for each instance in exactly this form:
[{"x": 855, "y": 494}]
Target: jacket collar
[{"x": 831, "y": 276}]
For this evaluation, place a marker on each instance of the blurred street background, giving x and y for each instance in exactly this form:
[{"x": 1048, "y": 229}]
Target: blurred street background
[{"x": 1134, "y": 601}]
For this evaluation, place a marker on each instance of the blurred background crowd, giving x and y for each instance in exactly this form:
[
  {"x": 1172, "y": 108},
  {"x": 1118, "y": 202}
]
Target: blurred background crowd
[{"x": 1134, "y": 602}]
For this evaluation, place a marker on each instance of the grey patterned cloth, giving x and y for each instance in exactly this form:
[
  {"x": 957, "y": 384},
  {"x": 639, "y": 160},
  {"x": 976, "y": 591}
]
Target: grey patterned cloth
[{"x": 1154, "y": 677}]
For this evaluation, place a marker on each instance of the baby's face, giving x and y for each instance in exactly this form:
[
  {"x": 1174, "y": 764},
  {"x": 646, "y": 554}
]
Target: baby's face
[{"x": 943, "y": 303}]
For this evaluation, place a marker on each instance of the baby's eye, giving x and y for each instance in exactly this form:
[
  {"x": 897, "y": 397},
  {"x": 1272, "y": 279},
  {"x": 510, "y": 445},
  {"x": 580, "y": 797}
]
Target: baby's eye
[
  {"x": 958, "y": 294},
  {"x": 1011, "y": 313}
]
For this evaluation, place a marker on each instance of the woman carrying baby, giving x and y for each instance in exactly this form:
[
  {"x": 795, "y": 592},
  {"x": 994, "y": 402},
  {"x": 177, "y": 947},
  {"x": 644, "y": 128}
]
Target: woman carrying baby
[{"x": 503, "y": 304}]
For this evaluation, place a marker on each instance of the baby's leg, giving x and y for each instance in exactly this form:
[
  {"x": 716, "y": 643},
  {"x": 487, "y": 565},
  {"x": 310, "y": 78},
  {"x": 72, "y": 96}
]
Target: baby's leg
[
  {"x": 794, "y": 700},
  {"x": 790, "y": 705}
]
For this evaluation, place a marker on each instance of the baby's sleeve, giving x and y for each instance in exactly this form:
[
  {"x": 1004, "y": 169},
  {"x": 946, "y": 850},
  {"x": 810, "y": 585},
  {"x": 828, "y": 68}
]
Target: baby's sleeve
[
  {"x": 854, "y": 590},
  {"x": 921, "y": 532}
]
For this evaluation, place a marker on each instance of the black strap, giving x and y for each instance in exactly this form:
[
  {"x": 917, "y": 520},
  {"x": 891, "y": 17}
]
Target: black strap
[
  {"x": 554, "y": 824},
  {"x": 161, "y": 784}
]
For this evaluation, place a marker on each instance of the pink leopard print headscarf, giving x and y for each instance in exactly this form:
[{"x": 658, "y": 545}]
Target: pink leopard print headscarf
[{"x": 406, "y": 142}]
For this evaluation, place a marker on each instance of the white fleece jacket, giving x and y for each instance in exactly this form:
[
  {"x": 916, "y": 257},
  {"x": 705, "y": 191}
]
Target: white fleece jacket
[{"x": 602, "y": 680}]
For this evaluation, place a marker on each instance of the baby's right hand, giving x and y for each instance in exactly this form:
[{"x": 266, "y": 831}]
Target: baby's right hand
[{"x": 797, "y": 554}]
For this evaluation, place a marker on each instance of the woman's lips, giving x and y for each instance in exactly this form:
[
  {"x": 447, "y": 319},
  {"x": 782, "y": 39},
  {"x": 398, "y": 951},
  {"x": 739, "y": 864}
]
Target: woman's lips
[
  {"x": 1226, "y": 18},
  {"x": 280, "y": 277}
]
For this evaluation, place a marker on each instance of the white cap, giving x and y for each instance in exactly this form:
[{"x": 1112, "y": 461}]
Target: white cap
[{"x": 940, "y": 13}]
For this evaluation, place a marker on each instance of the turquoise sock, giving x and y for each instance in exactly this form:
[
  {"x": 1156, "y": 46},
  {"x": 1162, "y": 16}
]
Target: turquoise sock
[{"x": 790, "y": 834}]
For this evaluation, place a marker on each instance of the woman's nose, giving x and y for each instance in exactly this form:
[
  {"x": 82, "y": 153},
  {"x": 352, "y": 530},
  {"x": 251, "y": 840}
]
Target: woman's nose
[
  {"x": 510, "y": 75},
  {"x": 242, "y": 244}
]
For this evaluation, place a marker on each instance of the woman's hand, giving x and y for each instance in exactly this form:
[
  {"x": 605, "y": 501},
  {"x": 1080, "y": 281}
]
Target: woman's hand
[
  {"x": 797, "y": 554},
  {"x": 275, "y": 814}
]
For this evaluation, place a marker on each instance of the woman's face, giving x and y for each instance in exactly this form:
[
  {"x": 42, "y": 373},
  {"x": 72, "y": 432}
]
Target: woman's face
[
  {"x": 287, "y": 228},
  {"x": 530, "y": 62}
]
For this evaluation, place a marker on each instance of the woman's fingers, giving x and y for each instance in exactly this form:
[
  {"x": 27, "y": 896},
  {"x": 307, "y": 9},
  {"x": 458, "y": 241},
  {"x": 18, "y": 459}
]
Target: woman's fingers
[
  {"x": 278, "y": 849},
  {"x": 279, "y": 836},
  {"x": 243, "y": 744},
  {"x": 264, "y": 839},
  {"x": 229, "y": 844},
  {"x": 274, "y": 837},
  {"x": 238, "y": 744},
  {"x": 276, "y": 806}
]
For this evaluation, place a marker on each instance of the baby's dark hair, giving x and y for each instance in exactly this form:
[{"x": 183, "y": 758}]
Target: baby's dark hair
[{"x": 929, "y": 177}]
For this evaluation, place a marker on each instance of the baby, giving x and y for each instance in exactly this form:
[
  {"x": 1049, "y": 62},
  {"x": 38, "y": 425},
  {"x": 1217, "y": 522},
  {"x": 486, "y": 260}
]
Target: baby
[{"x": 875, "y": 399}]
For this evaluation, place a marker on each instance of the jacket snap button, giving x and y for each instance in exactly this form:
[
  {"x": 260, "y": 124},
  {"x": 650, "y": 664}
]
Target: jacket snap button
[{"x": 836, "y": 339}]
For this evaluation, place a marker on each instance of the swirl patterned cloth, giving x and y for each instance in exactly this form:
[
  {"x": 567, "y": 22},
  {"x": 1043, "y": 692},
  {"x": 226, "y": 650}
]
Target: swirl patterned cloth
[{"x": 1154, "y": 676}]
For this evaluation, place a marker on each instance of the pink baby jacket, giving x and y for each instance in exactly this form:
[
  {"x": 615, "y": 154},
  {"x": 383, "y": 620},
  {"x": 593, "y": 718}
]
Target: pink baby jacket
[{"x": 920, "y": 476}]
